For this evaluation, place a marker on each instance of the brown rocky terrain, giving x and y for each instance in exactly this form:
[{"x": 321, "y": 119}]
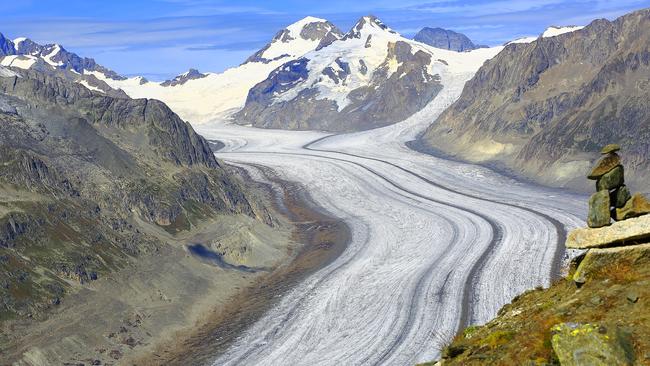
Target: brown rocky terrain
[
  {"x": 542, "y": 109},
  {"x": 598, "y": 315}
]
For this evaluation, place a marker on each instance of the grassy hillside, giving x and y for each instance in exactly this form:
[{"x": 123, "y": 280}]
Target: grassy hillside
[{"x": 615, "y": 299}]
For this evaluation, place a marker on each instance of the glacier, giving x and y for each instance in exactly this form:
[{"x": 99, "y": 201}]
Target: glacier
[{"x": 436, "y": 244}]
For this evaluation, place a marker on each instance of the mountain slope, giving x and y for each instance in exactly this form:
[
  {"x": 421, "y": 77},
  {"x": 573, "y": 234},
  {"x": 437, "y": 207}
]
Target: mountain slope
[
  {"x": 445, "y": 39},
  {"x": 87, "y": 184},
  {"x": 369, "y": 78},
  {"x": 216, "y": 96},
  {"x": 543, "y": 108}
]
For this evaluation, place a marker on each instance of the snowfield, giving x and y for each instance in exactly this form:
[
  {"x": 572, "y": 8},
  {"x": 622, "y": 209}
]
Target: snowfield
[{"x": 436, "y": 245}]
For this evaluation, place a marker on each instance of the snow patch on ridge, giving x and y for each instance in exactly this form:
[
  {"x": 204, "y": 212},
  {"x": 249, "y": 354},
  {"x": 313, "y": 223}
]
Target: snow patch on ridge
[
  {"x": 90, "y": 87},
  {"x": 552, "y": 31},
  {"x": 48, "y": 58},
  {"x": 556, "y": 31},
  {"x": 21, "y": 62}
]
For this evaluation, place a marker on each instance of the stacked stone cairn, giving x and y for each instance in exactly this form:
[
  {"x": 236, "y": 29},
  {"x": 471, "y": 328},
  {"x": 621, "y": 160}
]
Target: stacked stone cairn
[{"x": 612, "y": 199}]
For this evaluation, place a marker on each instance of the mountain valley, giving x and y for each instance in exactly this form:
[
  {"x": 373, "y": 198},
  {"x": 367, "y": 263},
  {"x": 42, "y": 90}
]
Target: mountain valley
[{"x": 356, "y": 197}]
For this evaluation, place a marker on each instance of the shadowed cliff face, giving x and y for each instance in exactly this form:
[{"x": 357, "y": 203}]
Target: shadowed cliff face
[
  {"x": 545, "y": 108},
  {"x": 81, "y": 173}
]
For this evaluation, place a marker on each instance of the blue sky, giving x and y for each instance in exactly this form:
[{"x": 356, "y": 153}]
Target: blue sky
[{"x": 162, "y": 38}]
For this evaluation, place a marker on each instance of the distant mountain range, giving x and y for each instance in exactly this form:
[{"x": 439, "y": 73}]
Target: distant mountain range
[
  {"x": 517, "y": 109},
  {"x": 545, "y": 108},
  {"x": 369, "y": 94},
  {"x": 446, "y": 39}
]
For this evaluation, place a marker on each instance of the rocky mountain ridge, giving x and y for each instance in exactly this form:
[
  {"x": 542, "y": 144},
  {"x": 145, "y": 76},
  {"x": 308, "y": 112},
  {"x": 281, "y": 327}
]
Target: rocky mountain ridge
[
  {"x": 542, "y": 108},
  {"x": 83, "y": 178}
]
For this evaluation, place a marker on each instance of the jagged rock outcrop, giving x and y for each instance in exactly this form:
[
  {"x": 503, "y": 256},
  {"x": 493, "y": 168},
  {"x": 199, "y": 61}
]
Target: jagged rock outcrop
[
  {"x": 445, "y": 39},
  {"x": 599, "y": 309},
  {"x": 542, "y": 108}
]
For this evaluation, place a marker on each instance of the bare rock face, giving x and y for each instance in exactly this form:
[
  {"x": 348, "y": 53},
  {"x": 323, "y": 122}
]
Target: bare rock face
[
  {"x": 6, "y": 46},
  {"x": 619, "y": 233},
  {"x": 556, "y": 101},
  {"x": 599, "y": 212}
]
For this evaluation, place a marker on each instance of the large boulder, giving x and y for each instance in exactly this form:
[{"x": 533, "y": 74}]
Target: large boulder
[
  {"x": 588, "y": 344},
  {"x": 599, "y": 213},
  {"x": 594, "y": 260},
  {"x": 612, "y": 179},
  {"x": 638, "y": 205},
  {"x": 619, "y": 233}
]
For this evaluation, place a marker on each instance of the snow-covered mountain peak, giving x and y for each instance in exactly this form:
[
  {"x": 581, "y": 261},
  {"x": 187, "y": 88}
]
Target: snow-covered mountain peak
[
  {"x": 191, "y": 74},
  {"x": 19, "y": 40},
  {"x": 367, "y": 26},
  {"x": 297, "y": 39},
  {"x": 302, "y": 28}
]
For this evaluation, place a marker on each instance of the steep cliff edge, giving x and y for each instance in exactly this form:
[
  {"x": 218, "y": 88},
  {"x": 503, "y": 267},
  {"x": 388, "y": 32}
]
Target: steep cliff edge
[{"x": 542, "y": 108}]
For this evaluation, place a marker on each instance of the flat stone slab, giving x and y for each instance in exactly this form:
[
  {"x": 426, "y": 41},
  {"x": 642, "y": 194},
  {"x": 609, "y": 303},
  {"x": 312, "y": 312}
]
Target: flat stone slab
[{"x": 619, "y": 233}]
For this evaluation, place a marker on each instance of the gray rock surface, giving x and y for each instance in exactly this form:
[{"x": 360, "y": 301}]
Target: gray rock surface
[
  {"x": 445, "y": 39},
  {"x": 589, "y": 344},
  {"x": 620, "y": 197}
]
